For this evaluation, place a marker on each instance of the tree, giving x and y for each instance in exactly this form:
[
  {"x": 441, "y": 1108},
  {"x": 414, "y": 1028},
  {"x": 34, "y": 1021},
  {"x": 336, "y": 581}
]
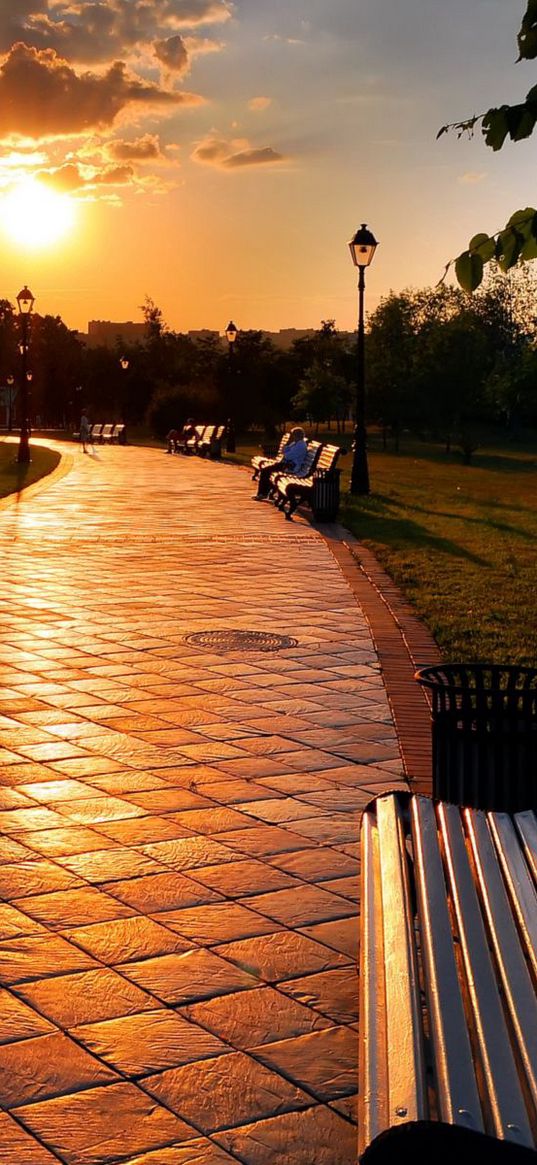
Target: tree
[
  {"x": 323, "y": 393},
  {"x": 518, "y": 239}
]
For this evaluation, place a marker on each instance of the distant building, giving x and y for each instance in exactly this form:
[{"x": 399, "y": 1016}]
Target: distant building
[{"x": 108, "y": 333}]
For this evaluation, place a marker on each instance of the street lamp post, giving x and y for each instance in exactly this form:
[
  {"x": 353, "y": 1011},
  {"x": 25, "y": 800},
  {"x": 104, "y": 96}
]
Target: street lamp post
[
  {"x": 362, "y": 247},
  {"x": 10, "y": 383},
  {"x": 26, "y": 301},
  {"x": 231, "y": 336}
]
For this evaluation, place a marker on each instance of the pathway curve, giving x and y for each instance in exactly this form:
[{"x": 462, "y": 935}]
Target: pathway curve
[{"x": 178, "y": 824}]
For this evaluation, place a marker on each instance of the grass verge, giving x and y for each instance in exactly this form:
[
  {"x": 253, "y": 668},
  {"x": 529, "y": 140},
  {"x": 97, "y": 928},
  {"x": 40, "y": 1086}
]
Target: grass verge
[
  {"x": 14, "y": 477},
  {"x": 460, "y": 541}
]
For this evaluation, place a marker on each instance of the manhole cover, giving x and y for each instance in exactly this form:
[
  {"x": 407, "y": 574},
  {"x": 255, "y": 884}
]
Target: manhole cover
[{"x": 240, "y": 640}]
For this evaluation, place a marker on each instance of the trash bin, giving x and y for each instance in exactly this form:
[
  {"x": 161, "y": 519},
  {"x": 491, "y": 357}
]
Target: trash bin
[
  {"x": 484, "y": 735},
  {"x": 325, "y": 496}
]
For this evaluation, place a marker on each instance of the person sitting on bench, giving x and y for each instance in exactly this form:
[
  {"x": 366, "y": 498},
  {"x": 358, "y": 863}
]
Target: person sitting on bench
[
  {"x": 172, "y": 438},
  {"x": 189, "y": 433},
  {"x": 295, "y": 456}
]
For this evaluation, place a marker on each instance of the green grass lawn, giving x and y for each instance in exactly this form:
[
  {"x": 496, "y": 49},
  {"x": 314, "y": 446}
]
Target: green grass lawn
[
  {"x": 461, "y": 543},
  {"x": 15, "y": 477}
]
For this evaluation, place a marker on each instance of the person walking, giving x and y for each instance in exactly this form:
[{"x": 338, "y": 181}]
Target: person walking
[{"x": 85, "y": 432}]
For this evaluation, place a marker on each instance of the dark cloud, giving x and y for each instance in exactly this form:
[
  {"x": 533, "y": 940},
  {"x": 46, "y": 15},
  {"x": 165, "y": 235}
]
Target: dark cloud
[
  {"x": 41, "y": 96},
  {"x": 233, "y": 155},
  {"x": 172, "y": 54},
  {"x": 225, "y": 155},
  {"x": 252, "y": 158},
  {"x": 89, "y": 32}
]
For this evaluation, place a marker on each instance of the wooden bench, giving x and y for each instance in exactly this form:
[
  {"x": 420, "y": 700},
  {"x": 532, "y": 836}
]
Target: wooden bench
[
  {"x": 294, "y": 489},
  {"x": 95, "y": 432},
  {"x": 261, "y": 460},
  {"x": 210, "y": 444},
  {"x": 191, "y": 443},
  {"x": 448, "y": 973},
  {"x": 106, "y": 433},
  {"x": 119, "y": 434},
  {"x": 308, "y": 466}
]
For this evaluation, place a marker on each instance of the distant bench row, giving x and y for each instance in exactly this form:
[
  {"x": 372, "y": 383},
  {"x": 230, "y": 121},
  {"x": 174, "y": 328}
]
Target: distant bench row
[
  {"x": 317, "y": 485},
  {"x": 207, "y": 441},
  {"x": 99, "y": 433}
]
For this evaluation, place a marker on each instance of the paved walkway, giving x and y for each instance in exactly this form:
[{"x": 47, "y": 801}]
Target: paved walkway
[{"x": 178, "y": 824}]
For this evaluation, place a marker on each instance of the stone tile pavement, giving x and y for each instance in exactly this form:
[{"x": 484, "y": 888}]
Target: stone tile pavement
[{"x": 178, "y": 824}]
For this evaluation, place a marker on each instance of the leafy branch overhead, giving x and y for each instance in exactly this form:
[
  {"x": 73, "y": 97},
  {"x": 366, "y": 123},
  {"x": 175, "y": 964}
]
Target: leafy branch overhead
[{"x": 518, "y": 238}]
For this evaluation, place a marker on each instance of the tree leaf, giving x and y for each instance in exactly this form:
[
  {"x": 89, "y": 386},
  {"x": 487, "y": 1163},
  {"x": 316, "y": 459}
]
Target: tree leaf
[
  {"x": 482, "y": 245},
  {"x": 495, "y": 127},
  {"x": 521, "y": 121},
  {"x": 523, "y": 221},
  {"x": 469, "y": 270},
  {"x": 527, "y": 37},
  {"x": 529, "y": 249},
  {"x": 508, "y": 248}
]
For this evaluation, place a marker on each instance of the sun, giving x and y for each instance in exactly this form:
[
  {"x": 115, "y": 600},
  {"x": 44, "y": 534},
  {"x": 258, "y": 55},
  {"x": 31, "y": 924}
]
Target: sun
[{"x": 35, "y": 216}]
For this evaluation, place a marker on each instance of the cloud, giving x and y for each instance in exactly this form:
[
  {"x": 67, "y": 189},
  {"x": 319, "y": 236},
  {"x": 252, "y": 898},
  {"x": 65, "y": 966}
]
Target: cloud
[
  {"x": 172, "y": 54},
  {"x": 201, "y": 45},
  {"x": 144, "y": 149},
  {"x": 88, "y": 31},
  {"x": 41, "y": 95},
  {"x": 215, "y": 151},
  {"x": 471, "y": 178},
  {"x": 74, "y": 74},
  {"x": 258, "y": 104}
]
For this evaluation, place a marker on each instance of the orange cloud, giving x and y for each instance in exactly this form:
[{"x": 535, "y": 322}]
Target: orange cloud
[
  {"x": 215, "y": 151},
  {"x": 144, "y": 149},
  {"x": 41, "y": 95},
  {"x": 88, "y": 32},
  {"x": 257, "y": 104},
  {"x": 172, "y": 54}
]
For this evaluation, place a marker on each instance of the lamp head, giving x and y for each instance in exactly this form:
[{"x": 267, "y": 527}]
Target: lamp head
[
  {"x": 124, "y": 362},
  {"x": 26, "y": 301},
  {"x": 363, "y": 246},
  {"x": 231, "y": 332}
]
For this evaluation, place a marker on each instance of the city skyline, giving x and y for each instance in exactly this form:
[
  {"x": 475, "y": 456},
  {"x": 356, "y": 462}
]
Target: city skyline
[{"x": 217, "y": 156}]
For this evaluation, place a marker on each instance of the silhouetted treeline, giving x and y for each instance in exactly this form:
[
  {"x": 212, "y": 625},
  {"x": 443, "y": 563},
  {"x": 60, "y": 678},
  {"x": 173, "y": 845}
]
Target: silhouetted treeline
[{"x": 438, "y": 362}]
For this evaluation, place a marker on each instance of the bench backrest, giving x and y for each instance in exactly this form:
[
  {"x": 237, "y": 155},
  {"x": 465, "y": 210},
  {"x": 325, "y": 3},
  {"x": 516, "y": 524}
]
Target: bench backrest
[
  {"x": 117, "y": 430},
  {"x": 219, "y": 433},
  {"x": 107, "y": 430},
  {"x": 311, "y": 458},
  {"x": 96, "y": 430},
  {"x": 328, "y": 458},
  {"x": 447, "y": 968},
  {"x": 208, "y": 434}
]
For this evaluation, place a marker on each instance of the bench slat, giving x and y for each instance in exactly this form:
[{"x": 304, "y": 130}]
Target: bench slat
[
  {"x": 518, "y": 878},
  {"x": 457, "y": 1093},
  {"x": 372, "y": 1068},
  {"x": 512, "y": 967},
  {"x": 406, "y": 1067},
  {"x": 506, "y": 1112}
]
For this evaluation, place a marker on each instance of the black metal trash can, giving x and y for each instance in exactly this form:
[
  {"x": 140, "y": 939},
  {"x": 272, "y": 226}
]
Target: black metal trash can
[
  {"x": 325, "y": 496},
  {"x": 484, "y": 735}
]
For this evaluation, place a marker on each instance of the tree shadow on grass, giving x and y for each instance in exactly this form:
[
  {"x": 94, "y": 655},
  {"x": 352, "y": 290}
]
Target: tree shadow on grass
[
  {"x": 524, "y": 461},
  {"x": 399, "y": 533},
  {"x": 485, "y": 523}
]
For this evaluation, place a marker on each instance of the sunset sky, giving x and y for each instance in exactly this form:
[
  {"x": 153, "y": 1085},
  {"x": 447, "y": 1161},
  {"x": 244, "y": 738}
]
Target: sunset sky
[{"x": 217, "y": 156}]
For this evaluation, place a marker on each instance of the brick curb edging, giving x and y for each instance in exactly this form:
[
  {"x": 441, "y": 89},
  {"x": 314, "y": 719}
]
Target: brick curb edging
[{"x": 402, "y": 643}]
